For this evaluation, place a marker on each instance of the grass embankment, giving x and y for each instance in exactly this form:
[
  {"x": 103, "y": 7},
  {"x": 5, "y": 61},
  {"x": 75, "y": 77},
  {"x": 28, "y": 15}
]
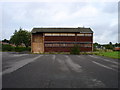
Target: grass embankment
[{"x": 113, "y": 54}]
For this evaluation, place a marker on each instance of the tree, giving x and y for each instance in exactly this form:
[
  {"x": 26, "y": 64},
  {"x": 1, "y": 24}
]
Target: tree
[
  {"x": 110, "y": 43},
  {"x": 117, "y": 44},
  {"x": 96, "y": 45},
  {"x": 109, "y": 46},
  {"x": 21, "y": 37},
  {"x": 5, "y": 40}
]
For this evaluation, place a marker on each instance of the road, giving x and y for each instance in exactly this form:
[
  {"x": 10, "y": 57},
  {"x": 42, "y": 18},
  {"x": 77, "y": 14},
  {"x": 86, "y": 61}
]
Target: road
[{"x": 58, "y": 71}]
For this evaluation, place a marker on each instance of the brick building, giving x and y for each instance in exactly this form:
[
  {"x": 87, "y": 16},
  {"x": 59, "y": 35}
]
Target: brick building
[{"x": 61, "y": 39}]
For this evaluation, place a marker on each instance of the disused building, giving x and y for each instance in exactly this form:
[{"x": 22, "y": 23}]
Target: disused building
[{"x": 61, "y": 39}]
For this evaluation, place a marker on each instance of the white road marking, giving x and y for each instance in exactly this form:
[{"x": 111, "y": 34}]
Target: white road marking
[
  {"x": 93, "y": 56},
  {"x": 63, "y": 67},
  {"x": 104, "y": 59},
  {"x": 103, "y": 66},
  {"x": 18, "y": 55},
  {"x": 110, "y": 61},
  {"x": 53, "y": 58},
  {"x": 19, "y": 64},
  {"x": 115, "y": 66},
  {"x": 81, "y": 57},
  {"x": 72, "y": 65}
]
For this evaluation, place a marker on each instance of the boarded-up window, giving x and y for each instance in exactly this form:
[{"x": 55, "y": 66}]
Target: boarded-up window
[
  {"x": 80, "y": 34},
  {"x": 87, "y": 45},
  {"x": 55, "y": 34},
  {"x": 71, "y": 34},
  {"x": 59, "y": 45},
  {"x": 59, "y": 34},
  {"x": 48, "y": 45},
  {"x": 63, "y": 34},
  {"x": 64, "y": 45},
  {"x": 48, "y": 34},
  {"x": 70, "y": 45},
  {"x": 88, "y": 34},
  {"x": 81, "y": 45}
]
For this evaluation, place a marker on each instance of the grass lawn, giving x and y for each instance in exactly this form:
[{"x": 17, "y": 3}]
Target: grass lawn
[{"x": 113, "y": 54}]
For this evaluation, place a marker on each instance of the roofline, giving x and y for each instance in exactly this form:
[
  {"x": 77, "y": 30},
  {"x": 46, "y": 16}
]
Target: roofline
[
  {"x": 61, "y": 28},
  {"x": 62, "y": 32}
]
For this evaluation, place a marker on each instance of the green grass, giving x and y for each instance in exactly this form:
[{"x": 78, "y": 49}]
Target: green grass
[{"x": 113, "y": 54}]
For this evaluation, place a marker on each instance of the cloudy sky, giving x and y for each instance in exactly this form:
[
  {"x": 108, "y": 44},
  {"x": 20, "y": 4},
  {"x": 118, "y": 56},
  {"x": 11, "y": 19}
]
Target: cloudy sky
[{"x": 101, "y": 17}]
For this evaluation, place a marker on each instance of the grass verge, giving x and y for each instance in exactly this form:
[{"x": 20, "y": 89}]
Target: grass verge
[{"x": 113, "y": 54}]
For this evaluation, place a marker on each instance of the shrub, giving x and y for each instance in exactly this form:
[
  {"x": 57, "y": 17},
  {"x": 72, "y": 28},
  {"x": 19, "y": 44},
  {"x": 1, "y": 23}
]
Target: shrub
[
  {"x": 21, "y": 49},
  {"x": 75, "y": 50},
  {"x": 7, "y": 47},
  {"x": 105, "y": 50}
]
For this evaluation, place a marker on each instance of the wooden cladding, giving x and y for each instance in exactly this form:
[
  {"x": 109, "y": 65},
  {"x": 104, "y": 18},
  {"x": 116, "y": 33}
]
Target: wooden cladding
[
  {"x": 67, "y": 34},
  {"x": 70, "y": 38},
  {"x": 61, "y": 42},
  {"x": 84, "y": 34},
  {"x": 60, "y": 38},
  {"x": 67, "y": 45},
  {"x": 59, "y": 34},
  {"x": 85, "y": 39},
  {"x": 64, "y": 49}
]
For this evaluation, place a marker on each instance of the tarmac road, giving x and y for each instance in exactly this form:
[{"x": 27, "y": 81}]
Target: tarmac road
[{"x": 58, "y": 71}]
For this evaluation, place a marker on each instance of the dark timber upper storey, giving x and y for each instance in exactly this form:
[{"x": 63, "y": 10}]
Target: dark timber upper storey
[{"x": 61, "y": 39}]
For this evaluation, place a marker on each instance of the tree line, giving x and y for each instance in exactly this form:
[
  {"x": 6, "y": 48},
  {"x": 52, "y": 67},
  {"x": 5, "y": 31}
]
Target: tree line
[{"x": 106, "y": 46}]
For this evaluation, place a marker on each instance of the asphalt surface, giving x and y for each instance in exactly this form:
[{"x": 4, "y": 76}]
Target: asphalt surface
[{"x": 58, "y": 71}]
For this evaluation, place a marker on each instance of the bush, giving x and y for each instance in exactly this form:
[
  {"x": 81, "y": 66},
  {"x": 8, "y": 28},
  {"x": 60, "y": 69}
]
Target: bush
[
  {"x": 75, "y": 50},
  {"x": 7, "y": 47},
  {"x": 105, "y": 50},
  {"x": 21, "y": 49},
  {"x": 17, "y": 49}
]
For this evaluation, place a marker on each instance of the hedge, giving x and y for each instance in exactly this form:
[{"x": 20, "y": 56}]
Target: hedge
[{"x": 16, "y": 49}]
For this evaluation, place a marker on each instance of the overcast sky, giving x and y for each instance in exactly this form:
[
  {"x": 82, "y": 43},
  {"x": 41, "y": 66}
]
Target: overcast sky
[{"x": 101, "y": 17}]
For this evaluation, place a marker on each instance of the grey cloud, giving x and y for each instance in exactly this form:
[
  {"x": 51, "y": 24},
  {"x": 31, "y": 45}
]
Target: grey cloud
[
  {"x": 110, "y": 7},
  {"x": 29, "y": 15}
]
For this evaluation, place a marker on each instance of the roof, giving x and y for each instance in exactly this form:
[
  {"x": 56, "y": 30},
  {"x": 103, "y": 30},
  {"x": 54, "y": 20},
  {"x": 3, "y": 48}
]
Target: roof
[
  {"x": 117, "y": 48},
  {"x": 62, "y": 30}
]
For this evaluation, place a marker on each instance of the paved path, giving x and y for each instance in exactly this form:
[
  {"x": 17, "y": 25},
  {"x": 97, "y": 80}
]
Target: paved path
[{"x": 59, "y": 71}]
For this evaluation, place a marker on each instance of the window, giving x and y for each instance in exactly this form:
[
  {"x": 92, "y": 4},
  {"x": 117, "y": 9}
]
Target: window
[
  {"x": 48, "y": 34},
  {"x": 80, "y": 34},
  {"x": 71, "y": 34},
  {"x": 48, "y": 45},
  {"x": 57, "y": 45},
  {"x": 87, "y": 45},
  {"x": 88, "y": 34},
  {"x": 59, "y": 34},
  {"x": 81, "y": 45},
  {"x": 56, "y": 34},
  {"x": 63, "y": 34},
  {"x": 63, "y": 45}
]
